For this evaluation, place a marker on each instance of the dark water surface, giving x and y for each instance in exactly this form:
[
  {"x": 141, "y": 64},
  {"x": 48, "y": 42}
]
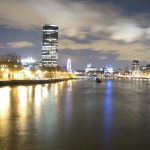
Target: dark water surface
[{"x": 76, "y": 115}]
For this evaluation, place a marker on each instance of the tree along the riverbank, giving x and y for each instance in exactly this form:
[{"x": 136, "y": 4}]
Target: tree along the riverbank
[{"x": 12, "y": 68}]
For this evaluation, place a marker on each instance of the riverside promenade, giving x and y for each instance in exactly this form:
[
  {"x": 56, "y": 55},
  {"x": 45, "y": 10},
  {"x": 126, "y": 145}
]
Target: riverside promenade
[{"x": 27, "y": 82}]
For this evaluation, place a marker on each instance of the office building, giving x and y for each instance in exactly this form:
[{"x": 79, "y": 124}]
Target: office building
[
  {"x": 50, "y": 46},
  {"x": 135, "y": 65}
]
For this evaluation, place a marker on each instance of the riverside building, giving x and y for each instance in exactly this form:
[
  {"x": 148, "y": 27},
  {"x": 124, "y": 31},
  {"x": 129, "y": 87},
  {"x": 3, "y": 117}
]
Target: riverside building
[
  {"x": 135, "y": 65},
  {"x": 50, "y": 46}
]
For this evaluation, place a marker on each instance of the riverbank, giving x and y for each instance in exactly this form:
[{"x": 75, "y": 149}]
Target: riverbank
[{"x": 28, "y": 82}]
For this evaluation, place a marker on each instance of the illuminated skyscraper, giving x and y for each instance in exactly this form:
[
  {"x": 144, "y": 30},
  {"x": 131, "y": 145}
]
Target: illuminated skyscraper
[
  {"x": 50, "y": 46},
  {"x": 135, "y": 65}
]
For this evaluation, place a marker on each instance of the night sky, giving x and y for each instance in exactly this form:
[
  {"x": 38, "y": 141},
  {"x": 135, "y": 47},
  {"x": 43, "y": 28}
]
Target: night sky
[{"x": 101, "y": 32}]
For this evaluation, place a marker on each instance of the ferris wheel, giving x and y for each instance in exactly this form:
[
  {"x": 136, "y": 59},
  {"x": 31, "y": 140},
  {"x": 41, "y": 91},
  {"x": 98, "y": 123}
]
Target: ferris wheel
[{"x": 69, "y": 65}]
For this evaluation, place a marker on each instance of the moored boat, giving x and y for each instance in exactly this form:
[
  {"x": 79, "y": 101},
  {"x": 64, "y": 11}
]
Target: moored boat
[{"x": 98, "y": 80}]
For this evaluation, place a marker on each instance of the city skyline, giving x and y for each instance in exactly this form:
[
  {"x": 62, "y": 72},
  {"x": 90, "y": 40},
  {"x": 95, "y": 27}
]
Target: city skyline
[{"x": 104, "y": 33}]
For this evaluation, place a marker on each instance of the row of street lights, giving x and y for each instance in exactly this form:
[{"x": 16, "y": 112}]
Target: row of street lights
[{"x": 27, "y": 74}]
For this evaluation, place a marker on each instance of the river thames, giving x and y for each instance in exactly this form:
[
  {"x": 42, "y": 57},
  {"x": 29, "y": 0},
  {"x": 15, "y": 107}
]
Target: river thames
[{"x": 76, "y": 115}]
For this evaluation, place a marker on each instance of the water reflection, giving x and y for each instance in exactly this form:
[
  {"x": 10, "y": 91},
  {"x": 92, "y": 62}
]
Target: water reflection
[
  {"x": 38, "y": 96},
  {"x": 55, "y": 91},
  {"x": 22, "y": 96},
  {"x": 107, "y": 112},
  {"x": 4, "y": 101},
  {"x": 69, "y": 115},
  {"x": 4, "y": 108},
  {"x": 68, "y": 105}
]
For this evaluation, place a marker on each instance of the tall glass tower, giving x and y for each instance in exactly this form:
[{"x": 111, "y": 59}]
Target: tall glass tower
[{"x": 50, "y": 46}]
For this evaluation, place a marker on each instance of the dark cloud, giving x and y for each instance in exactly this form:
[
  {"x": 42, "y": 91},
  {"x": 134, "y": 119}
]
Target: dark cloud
[{"x": 131, "y": 6}]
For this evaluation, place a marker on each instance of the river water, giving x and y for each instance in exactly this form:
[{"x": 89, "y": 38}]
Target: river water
[{"x": 76, "y": 115}]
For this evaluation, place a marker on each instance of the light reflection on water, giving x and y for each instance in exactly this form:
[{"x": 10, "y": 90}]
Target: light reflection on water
[
  {"x": 107, "y": 112},
  {"x": 4, "y": 109},
  {"x": 68, "y": 106},
  {"x": 22, "y": 96},
  {"x": 76, "y": 115},
  {"x": 38, "y": 96},
  {"x": 4, "y": 101}
]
